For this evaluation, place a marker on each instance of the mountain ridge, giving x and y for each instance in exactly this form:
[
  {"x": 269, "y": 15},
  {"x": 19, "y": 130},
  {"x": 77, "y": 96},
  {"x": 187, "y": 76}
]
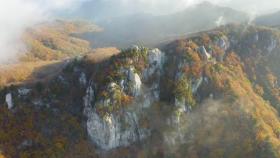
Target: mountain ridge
[
  {"x": 269, "y": 20},
  {"x": 184, "y": 99},
  {"x": 147, "y": 29}
]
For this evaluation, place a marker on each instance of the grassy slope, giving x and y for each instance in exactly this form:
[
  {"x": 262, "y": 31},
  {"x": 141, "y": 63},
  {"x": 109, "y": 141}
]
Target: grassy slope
[
  {"x": 57, "y": 40},
  {"x": 48, "y": 44}
]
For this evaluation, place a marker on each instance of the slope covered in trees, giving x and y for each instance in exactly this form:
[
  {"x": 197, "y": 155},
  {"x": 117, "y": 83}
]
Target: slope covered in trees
[
  {"x": 48, "y": 47},
  {"x": 57, "y": 40}
]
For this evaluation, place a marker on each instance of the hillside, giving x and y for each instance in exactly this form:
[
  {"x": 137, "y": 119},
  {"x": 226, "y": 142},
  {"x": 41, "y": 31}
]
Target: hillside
[
  {"x": 57, "y": 40},
  {"x": 214, "y": 94},
  {"x": 49, "y": 47},
  {"x": 146, "y": 29},
  {"x": 26, "y": 71}
]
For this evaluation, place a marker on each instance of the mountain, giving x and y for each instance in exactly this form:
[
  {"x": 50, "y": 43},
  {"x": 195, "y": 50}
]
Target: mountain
[
  {"x": 214, "y": 94},
  {"x": 269, "y": 20},
  {"x": 146, "y": 29},
  {"x": 51, "y": 43},
  {"x": 57, "y": 40}
]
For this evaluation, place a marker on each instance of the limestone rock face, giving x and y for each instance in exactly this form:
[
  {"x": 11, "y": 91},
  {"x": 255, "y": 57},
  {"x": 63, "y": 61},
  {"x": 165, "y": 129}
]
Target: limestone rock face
[
  {"x": 204, "y": 52},
  {"x": 132, "y": 82},
  {"x": 135, "y": 82},
  {"x": 272, "y": 45},
  {"x": 9, "y": 100},
  {"x": 112, "y": 130},
  {"x": 156, "y": 59}
]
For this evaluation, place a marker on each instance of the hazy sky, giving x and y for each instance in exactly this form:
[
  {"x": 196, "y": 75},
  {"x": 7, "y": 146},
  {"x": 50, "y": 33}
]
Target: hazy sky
[
  {"x": 16, "y": 15},
  {"x": 246, "y": 5},
  {"x": 164, "y": 6}
]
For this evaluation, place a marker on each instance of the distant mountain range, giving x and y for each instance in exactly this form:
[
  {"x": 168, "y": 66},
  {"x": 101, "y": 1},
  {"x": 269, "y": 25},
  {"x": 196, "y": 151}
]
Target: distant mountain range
[
  {"x": 146, "y": 29},
  {"x": 123, "y": 29},
  {"x": 269, "y": 20}
]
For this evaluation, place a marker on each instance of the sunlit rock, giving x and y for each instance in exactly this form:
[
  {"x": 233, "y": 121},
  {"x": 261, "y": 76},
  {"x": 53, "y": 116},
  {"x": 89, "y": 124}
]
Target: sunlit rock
[
  {"x": 132, "y": 83},
  {"x": 112, "y": 130},
  {"x": 135, "y": 82},
  {"x": 204, "y": 52},
  {"x": 9, "y": 100},
  {"x": 156, "y": 59}
]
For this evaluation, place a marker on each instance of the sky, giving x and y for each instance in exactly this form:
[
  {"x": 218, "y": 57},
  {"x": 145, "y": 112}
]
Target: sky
[
  {"x": 166, "y": 6},
  {"x": 16, "y": 15}
]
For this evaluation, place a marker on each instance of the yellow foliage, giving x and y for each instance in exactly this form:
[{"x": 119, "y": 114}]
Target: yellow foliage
[
  {"x": 52, "y": 41},
  {"x": 233, "y": 81},
  {"x": 28, "y": 71}
]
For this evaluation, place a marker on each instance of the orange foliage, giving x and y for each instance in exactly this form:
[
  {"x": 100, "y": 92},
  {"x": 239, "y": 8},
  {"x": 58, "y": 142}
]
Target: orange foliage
[
  {"x": 205, "y": 39},
  {"x": 81, "y": 149},
  {"x": 126, "y": 100}
]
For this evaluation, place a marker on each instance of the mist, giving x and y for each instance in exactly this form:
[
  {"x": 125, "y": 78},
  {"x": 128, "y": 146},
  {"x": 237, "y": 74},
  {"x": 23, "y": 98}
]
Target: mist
[
  {"x": 17, "y": 15},
  {"x": 100, "y": 9},
  {"x": 204, "y": 132}
]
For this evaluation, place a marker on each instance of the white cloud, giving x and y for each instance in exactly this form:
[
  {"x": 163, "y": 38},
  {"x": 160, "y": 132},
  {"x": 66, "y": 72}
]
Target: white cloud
[
  {"x": 220, "y": 21},
  {"x": 16, "y": 15}
]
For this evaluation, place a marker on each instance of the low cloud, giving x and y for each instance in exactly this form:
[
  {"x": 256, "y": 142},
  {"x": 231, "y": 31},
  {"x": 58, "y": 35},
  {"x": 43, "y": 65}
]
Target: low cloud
[{"x": 17, "y": 15}]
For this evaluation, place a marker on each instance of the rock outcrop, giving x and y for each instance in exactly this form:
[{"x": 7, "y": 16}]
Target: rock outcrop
[
  {"x": 204, "y": 52},
  {"x": 112, "y": 129},
  {"x": 9, "y": 100}
]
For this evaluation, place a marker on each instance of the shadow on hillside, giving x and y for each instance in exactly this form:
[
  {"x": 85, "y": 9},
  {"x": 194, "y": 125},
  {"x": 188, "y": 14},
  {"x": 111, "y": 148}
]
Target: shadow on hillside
[
  {"x": 30, "y": 73},
  {"x": 46, "y": 72}
]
